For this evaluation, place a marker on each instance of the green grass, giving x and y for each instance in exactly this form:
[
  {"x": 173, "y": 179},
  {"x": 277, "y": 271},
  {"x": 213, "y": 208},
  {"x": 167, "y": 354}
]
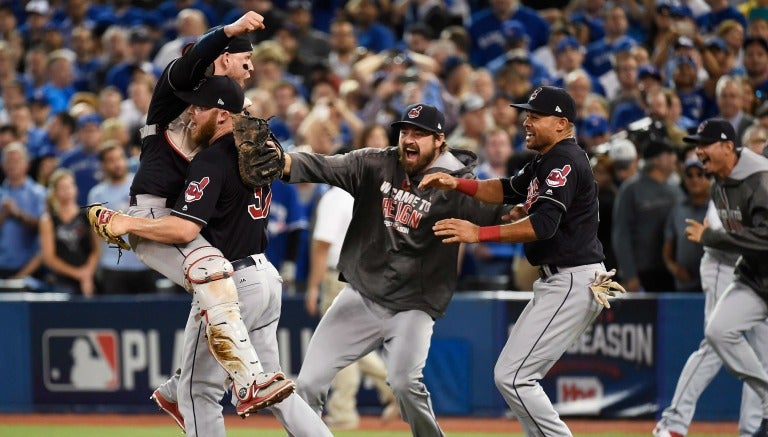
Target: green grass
[{"x": 167, "y": 431}]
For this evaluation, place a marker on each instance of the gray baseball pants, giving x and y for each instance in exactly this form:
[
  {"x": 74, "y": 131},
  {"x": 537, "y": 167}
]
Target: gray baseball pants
[
  {"x": 561, "y": 310},
  {"x": 203, "y": 381},
  {"x": 703, "y": 364},
  {"x": 738, "y": 311},
  {"x": 354, "y": 326},
  {"x": 166, "y": 259}
]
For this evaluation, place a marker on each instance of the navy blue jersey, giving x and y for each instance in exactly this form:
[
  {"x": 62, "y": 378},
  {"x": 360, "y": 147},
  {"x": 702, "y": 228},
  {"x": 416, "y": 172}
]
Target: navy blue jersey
[
  {"x": 163, "y": 165},
  {"x": 233, "y": 216},
  {"x": 560, "y": 178}
]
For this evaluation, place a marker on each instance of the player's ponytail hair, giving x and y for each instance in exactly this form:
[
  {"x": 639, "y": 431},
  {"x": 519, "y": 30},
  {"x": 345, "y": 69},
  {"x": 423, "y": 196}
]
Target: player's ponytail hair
[{"x": 51, "y": 202}]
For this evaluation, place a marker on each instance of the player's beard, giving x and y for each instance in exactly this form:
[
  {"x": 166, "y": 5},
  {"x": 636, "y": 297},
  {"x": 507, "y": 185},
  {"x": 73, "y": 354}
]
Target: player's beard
[
  {"x": 202, "y": 134},
  {"x": 424, "y": 160}
]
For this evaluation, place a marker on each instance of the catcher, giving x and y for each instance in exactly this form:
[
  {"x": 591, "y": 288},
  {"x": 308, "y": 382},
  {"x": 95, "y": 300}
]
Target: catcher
[
  {"x": 227, "y": 194},
  {"x": 165, "y": 156}
]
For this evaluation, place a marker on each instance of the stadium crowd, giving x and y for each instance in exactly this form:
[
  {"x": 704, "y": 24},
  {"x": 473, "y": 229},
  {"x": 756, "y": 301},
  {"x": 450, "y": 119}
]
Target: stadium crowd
[{"x": 76, "y": 78}]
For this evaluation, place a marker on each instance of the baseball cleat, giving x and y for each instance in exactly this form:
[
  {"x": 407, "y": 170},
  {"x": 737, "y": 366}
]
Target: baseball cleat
[
  {"x": 171, "y": 408},
  {"x": 268, "y": 389},
  {"x": 661, "y": 432}
]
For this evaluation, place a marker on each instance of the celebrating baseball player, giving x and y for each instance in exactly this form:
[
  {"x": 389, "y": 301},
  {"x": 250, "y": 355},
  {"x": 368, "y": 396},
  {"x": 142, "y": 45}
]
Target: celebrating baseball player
[
  {"x": 740, "y": 193},
  {"x": 220, "y": 204},
  {"x": 717, "y": 271},
  {"x": 400, "y": 277},
  {"x": 166, "y": 152},
  {"x": 559, "y": 195}
]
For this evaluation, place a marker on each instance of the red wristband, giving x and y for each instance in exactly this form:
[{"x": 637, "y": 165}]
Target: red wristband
[
  {"x": 467, "y": 186},
  {"x": 489, "y": 233}
]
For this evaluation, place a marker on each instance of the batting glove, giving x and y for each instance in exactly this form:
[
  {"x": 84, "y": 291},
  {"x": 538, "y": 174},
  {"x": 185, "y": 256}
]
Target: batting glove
[{"x": 604, "y": 286}]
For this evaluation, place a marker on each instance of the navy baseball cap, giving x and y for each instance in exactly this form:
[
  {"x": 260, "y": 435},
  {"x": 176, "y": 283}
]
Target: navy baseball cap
[
  {"x": 656, "y": 148},
  {"x": 748, "y": 41},
  {"x": 423, "y": 116},
  {"x": 239, "y": 44},
  {"x": 716, "y": 43},
  {"x": 220, "y": 92},
  {"x": 569, "y": 42},
  {"x": 550, "y": 100},
  {"x": 88, "y": 119},
  {"x": 595, "y": 125},
  {"x": 648, "y": 70},
  {"x": 711, "y": 131}
]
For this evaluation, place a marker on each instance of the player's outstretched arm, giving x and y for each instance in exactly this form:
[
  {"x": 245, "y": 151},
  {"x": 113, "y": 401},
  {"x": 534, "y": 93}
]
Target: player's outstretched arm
[
  {"x": 462, "y": 231},
  {"x": 488, "y": 191},
  {"x": 169, "y": 229},
  {"x": 249, "y": 22}
]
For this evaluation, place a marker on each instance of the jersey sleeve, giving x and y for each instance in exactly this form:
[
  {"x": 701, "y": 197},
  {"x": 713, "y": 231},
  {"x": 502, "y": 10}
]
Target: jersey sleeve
[
  {"x": 516, "y": 187},
  {"x": 344, "y": 171},
  {"x": 204, "y": 183}
]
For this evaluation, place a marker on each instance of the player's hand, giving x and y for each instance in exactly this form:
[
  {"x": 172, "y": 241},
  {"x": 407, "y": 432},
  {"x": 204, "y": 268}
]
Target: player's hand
[
  {"x": 442, "y": 181},
  {"x": 249, "y": 22},
  {"x": 632, "y": 284},
  {"x": 516, "y": 213},
  {"x": 310, "y": 300},
  {"x": 694, "y": 229},
  {"x": 118, "y": 225},
  {"x": 603, "y": 286},
  {"x": 679, "y": 272},
  {"x": 456, "y": 231}
]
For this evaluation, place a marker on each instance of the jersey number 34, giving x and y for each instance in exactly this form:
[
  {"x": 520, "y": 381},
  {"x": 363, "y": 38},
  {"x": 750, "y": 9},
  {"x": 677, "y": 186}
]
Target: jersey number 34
[{"x": 260, "y": 209}]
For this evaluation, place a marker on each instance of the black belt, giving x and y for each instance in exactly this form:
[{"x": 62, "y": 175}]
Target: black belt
[
  {"x": 243, "y": 263},
  {"x": 169, "y": 203},
  {"x": 547, "y": 270}
]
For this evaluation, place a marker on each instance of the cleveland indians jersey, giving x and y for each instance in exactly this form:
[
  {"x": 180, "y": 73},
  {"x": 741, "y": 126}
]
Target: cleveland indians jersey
[
  {"x": 561, "y": 178},
  {"x": 233, "y": 216}
]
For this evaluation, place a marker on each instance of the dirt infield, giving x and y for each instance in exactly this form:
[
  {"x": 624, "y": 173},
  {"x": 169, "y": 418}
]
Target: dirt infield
[{"x": 449, "y": 424}]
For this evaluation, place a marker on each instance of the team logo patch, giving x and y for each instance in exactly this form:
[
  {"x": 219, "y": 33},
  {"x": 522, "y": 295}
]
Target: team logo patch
[
  {"x": 77, "y": 360},
  {"x": 532, "y": 194},
  {"x": 558, "y": 177},
  {"x": 414, "y": 112},
  {"x": 195, "y": 189},
  {"x": 534, "y": 94}
]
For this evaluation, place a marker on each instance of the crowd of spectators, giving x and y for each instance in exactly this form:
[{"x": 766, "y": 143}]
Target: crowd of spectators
[{"x": 76, "y": 77}]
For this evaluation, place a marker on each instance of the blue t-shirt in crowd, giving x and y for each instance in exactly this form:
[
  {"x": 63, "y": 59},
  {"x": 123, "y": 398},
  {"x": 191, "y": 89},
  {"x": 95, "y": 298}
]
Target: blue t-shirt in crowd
[{"x": 18, "y": 244}]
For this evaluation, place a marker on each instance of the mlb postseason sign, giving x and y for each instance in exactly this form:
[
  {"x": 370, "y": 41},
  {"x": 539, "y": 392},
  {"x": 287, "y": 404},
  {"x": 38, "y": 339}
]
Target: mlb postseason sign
[
  {"x": 116, "y": 350},
  {"x": 610, "y": 371},
  {"x": 109, "y": 351}
]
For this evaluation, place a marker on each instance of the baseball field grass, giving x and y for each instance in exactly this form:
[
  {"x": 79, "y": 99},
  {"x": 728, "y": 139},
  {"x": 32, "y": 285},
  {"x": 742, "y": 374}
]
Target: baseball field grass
[
  {"x": 102, "y": 431},
  {"x": 265, "y": 425}
]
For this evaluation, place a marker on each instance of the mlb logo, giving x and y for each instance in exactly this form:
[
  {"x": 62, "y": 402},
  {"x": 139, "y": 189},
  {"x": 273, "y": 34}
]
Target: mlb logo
[{"x": 77, "y": 360}]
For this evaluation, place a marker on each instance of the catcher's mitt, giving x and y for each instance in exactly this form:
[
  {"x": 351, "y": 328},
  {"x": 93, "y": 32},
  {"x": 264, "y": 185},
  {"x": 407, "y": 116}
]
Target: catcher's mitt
[
  {"x": 604, "y": 286},
  {"x": 258, "y": 162},
  {"x": 100, "y": 219}
]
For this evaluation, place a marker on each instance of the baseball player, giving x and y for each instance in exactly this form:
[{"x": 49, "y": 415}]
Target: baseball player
[
  {"x": 559, "y": 195},
  {"x": 400, "y": 278},
  {"x": 740, "y": 194},
  {"x": 219, "y": 205},
  {"x": 717, "y": 270},
  {"x": 332, "y": 217},
  {"x": 166, "y": 152}
]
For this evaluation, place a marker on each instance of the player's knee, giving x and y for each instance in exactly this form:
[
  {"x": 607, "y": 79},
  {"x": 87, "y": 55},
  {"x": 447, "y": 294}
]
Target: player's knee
[
  {"x": 716, "y": 333},
  {"x": 312, "y": 392},
  {"x": 402, "y": 384},
  {"x": 206, "y": 264}
]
